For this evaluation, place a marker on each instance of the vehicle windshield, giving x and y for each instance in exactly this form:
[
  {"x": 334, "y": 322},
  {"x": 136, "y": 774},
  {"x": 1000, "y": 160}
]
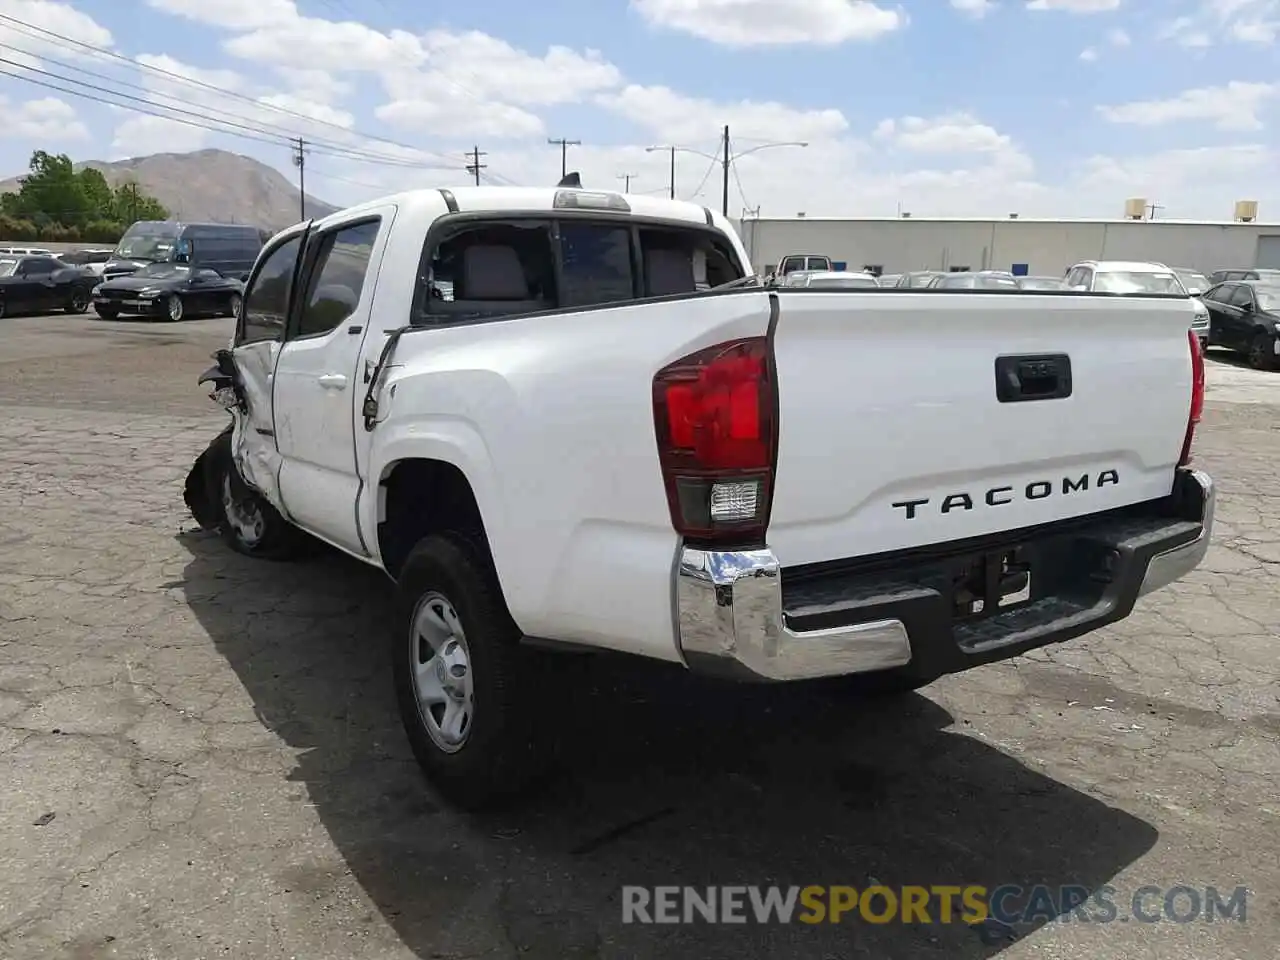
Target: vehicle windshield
[
  {"x": 843, "y": 282},
  {"x": 1040, "y": 283},
  {"x": 163, "y": 271},
  {"x": 1192, "y": 279},
  {"x": 1130, "y": 281},
  {"x": 146, "y": 246},
  {"x": 7, "y": 267},
  {"x": 1268, "y": 300}
]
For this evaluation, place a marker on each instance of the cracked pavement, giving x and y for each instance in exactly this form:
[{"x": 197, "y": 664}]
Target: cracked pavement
[{"x": 199, "y": 756}]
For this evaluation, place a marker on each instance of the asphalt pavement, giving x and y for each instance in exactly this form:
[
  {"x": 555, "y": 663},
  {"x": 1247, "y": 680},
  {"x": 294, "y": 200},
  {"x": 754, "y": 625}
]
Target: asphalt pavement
[{"x": 199, "y": 755}]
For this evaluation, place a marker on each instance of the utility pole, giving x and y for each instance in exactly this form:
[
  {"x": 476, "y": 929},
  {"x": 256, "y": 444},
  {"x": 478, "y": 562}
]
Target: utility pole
[
  {"x": 1152, "y": 208},
  {"x": 300, "y": 161},
  {"x": 724, "y": 203},
  {"x": 627, "y": 178},
  {"x": 475, "y": 166},
  {"x": 564, "y": 146}
]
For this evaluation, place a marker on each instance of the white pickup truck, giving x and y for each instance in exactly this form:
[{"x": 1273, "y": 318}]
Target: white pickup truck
[{"x": 565, "y": 417}]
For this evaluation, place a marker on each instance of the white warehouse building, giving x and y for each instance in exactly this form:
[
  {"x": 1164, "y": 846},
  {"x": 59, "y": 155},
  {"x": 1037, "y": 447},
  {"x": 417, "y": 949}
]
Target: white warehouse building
[{"x": 1032, "y": 246}]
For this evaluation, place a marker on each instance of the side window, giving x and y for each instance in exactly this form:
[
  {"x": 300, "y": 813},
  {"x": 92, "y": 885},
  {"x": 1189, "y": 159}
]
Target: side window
[
  {"x": 1086, "y": 278},
  {"x": 1215, "y": 294},
  {"x": 39, "y": 267},
  {"x": 595, "y": 264},
  {"x": 266, "y": 304},
  {"x": 791, "y": 263},
  {"x": 338, "y": 278},
  {"x": 1241, "y": 295}
]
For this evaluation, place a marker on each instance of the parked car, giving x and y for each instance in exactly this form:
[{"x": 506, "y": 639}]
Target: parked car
[
  {"x": 974, "y": 280},
  {"x": 171, "y": 290},
  {"x": 1245, "y": 317},
  {"x": 918, "y": 278},
  {"x": 93, "y": 261},
  {"x": 640, "y": 457},
  {"x": 1040, "y": 283},
  {"x": 228, "y": 248},
  {"x": 25, "y": 252},
  {"x": 834, "y": 278},
  {"x": 801, "y": 261},
  {"x": 42, "y": 284},
  {"x": 1245, "y": 273},
  {"x": 1195, "y": 282},
  {"x": 1142, "y": 277}
]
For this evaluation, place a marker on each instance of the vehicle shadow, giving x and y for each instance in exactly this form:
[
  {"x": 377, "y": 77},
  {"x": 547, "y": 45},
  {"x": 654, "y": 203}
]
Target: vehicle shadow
[{"x": 666, "y": 780}]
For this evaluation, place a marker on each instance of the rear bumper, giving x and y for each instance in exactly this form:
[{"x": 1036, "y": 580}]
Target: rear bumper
[{"x": 736, "y": 615}]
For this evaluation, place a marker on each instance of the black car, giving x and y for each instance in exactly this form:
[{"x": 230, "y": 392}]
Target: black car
[
  {"x": 1244, "y": 316},
  {"x": 1246, "y": 273},
  {"x": 41, "y": 285},
  {"x": 171, "y": 290}
]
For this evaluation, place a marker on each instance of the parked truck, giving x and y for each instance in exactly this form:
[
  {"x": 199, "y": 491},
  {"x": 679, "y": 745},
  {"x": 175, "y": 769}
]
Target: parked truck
[{"x": 610, "y": 437}]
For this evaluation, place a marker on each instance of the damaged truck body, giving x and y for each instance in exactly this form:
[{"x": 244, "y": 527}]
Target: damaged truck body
[{"x": 560, "y": 417}]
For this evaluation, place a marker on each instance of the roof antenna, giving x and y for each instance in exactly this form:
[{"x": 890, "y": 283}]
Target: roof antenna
[{"x": 571, "y": 180}]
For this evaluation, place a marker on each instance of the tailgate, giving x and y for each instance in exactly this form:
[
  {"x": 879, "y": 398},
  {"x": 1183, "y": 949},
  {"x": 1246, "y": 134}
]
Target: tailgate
[{"x": 892, "y": 434}]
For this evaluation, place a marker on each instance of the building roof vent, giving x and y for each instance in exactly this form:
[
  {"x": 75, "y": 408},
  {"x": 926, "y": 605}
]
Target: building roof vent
[
  {"x": 1246, "y": 211},
  {"x": 1135, "y": 208}
]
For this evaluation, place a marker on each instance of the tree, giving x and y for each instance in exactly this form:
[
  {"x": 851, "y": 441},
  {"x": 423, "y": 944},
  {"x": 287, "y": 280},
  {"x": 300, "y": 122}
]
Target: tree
[
  {"x": 56, "y": 199},
  {"x": 131, "y": 204}
]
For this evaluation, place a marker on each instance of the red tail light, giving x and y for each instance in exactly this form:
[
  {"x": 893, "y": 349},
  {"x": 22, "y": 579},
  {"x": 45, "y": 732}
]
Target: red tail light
[
  {"x": 716, "y": 422},
  {"x": 1197, "y": 397}
]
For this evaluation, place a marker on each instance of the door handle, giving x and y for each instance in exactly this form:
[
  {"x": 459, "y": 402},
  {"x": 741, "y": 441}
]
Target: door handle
[{"x": 333, "y": 381}]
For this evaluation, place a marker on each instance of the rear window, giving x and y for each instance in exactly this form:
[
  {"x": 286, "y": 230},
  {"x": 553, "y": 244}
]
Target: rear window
[{"x": 508, "y": 268}]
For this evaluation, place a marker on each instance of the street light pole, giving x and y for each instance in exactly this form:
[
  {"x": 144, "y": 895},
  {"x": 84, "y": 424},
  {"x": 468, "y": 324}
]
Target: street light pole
[{"x": 724, "y": 202}]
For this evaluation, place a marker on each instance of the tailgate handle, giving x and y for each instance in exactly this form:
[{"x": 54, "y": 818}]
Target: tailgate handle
[{"x": 1023, "y": 378}]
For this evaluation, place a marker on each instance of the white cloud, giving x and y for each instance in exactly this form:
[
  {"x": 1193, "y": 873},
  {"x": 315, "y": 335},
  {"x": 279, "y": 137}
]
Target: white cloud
[
  {"x": 950, "y": 133},
  {"x": 754, "y": 23},
  {"x": 39, "y": 19},
  {"x": 1075, "y": 6},
  {"x": 141, "y": 135},
  {"x": 974, "y": 8},
  {"x": 41, "y": 121},
  {"x": 1118, "y": 38},
  {"x": 1089, "y": 54},
  {"x": 1240, "y": 21},
  {"x": 1234, "y": 106},
  {"x": 672, "y": 117}
]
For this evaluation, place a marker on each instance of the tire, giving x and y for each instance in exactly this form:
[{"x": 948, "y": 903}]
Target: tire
[
  {"x": 79, "y": 302},
  {"x": 233, "y": 305},
  {"x": 1262, "y": 352},
  {"x": 247, "y": 522},
  {"x": 106, "y": 313},
  {"x": 493, "y": 756},
  {"x": 174, "y": 307}
]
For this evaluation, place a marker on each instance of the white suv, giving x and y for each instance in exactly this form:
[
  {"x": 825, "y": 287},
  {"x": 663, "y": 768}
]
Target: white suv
[{"x": 1136, "y": 276}]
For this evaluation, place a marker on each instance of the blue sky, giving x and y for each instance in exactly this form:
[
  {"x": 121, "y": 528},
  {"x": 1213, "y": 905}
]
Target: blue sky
[{"x": 943, "y": 107}]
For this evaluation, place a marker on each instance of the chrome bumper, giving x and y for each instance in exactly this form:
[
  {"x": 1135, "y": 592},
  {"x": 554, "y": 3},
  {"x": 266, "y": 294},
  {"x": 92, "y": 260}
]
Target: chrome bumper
[
  {"x": 730, "y": 611},
  {"x": 1175, "y": 564}
]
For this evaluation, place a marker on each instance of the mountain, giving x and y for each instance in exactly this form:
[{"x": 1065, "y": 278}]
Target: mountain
[{"x": 213, "y": 186}]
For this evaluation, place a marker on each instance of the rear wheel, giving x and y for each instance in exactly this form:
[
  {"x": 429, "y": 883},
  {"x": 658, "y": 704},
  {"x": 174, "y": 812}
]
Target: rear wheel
[
  {"x": 106, "y": 313},
  {"x": 460, "y": 677},
  {"x": 1262, "y": 351}
]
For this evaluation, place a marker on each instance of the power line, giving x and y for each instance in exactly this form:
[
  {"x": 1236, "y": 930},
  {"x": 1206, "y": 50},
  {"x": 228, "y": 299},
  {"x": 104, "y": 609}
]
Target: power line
[
  {"x": 475, "y": 166},
  {"x": 70, "y": 42},
  {"x": 564, "y": 146}
]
